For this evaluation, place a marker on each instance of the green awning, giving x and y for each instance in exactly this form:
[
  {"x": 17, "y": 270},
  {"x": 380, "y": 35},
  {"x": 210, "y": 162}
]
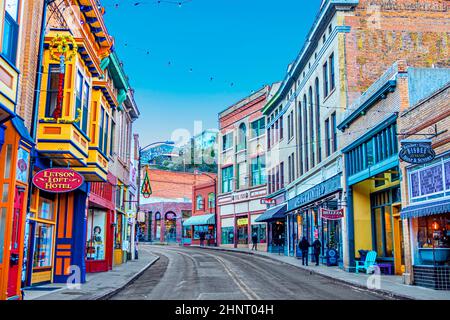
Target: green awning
[{"x": 203, "y": 219}]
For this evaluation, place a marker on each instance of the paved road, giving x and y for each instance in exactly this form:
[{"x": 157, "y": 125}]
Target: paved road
[{"x": 199, "y": 274}]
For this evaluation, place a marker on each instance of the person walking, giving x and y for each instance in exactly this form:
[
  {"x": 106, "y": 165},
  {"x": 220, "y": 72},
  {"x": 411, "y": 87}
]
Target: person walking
[
  {"x": 304, "y": 247},
  {"x": 202, "y": 239},
  {"x": 317, "y": 245},
  {"x": 255, "y": 241}
]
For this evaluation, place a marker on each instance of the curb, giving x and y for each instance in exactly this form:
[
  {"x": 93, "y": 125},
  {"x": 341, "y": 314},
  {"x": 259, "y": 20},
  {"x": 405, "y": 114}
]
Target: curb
[
  {"x": 346, "y": 282},
  {"x": 113, "y": 292}
]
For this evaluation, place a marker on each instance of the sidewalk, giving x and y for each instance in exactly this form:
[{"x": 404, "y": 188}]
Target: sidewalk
[
  {"x": 388, "y": 285},
  {"x": 98, "y": 285}
]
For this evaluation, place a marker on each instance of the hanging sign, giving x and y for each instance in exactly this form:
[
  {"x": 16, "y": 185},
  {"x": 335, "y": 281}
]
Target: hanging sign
[
  {"x": 58, "y": 180},
  {"x": 146, "y": 190},
  {"x": 242, "y": 222},
  {"x": 331, "y": 214},
  {"x": 416, "y": 151}
]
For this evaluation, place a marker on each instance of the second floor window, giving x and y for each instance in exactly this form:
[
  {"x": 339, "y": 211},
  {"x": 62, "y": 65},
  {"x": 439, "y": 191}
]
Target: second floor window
[
  {"x": 211, "y": 200},
  {"x": 332, "y": 78},
  {"x": 52, "y": 90},
  {"x": 199, "y": 203},
  {"x": 82, "y": 102},
  {"x": 325, "y": 80},
  {"x": 258, "y": 171},
  {"x": 227, "y": 141},
  {"x": 227, "y": 179},
  {"x": 242, "y": 137},
  {"x": 258, "y": 127},
  {"x": 11, "y": 30}
]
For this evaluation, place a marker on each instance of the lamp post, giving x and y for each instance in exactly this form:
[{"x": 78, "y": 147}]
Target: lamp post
[
  {"x": 215, "y": 202},
  {"x": 141, "y": 150}
]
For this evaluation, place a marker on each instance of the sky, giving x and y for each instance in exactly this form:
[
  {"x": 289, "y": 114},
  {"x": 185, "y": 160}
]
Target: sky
[{"x": 188, "y": 63}]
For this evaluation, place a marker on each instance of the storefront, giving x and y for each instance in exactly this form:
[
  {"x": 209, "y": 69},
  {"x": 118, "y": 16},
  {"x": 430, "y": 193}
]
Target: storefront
[
  {"x": 306, "y": 219},
  {"x": 242, "y": 231},
  {"x": 202, "y": 226},
  {"x": 428, "y": 217},
  {"x": 119, "y": 242},
  {"x": 170, "y": 227}
]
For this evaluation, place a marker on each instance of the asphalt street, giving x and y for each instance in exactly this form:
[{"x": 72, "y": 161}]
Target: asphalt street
[{"x": 186, "y": 273}]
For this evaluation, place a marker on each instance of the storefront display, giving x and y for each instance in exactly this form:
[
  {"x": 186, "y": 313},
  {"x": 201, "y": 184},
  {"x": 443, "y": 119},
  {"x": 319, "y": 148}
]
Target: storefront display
[
  {"x": 242, "y": 230},
  {"x": 170, "y": 224},
  {"x": 261, "y": 230},
  {"x": 227, "y": 235},
  {"x": 95, "y": 242},
  {"x": 43, "y": 246}
]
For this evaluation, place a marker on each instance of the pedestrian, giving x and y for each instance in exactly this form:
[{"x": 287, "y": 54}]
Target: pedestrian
[
  {"x": 317, "y": 245},
  {"x": 202, "y": 238},
  {"x": 255, "y": 241},
  {"x": 304, "y": 247}
]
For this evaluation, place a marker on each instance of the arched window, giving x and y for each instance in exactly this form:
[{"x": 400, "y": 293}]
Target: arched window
[
  {"x": 211, "y": 200},
  {"x": 318, "y": 133},
  {"x": 199, "y": 203},
  {"x": 311, "y": 127},
  {"x": 242, "y": 137},
  {"x": 305, "y": 131}
]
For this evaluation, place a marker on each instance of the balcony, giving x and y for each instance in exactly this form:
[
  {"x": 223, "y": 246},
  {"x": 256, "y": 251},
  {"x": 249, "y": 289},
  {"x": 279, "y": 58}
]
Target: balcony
[{"x": 97, "y": 166}]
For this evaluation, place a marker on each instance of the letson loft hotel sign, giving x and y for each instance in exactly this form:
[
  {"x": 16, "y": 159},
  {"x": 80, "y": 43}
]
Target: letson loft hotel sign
[{"x": 58, "y": 180}]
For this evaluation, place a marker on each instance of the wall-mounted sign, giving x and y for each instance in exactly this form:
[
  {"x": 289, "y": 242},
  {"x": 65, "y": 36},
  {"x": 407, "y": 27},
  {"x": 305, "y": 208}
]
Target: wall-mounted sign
[
  {"x": 58, "y": 180},
  {"x": 331, "y": 214},
  {"x": 416, "y": 151}
]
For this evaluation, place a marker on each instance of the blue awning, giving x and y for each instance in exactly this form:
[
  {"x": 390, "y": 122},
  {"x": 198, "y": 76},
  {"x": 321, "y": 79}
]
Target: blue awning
[
  {"x": 426, "y": 209},
  {"x": 204, "y": 219},
  {"x": 274, "y": 213},
  {"x": 22, "y": 130}
]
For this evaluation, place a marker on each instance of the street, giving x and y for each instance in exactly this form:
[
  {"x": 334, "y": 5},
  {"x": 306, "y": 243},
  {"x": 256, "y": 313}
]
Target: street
[{"x": 199, "y": 274}]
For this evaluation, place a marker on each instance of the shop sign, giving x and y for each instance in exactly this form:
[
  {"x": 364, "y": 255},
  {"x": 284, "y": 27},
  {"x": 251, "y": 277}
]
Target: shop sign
[
  {"x": 58, "y": 180},
  {"x": 242, "y": 222},
  {"x": 267, "y": 201},
  {"x": 327, "y": 187},
  {"x": 331, "y": 214},
  {"x": 416, "y": 151}
]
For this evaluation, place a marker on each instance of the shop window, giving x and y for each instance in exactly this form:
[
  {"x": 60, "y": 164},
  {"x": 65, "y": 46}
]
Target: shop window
[
  {"x": 118, "y": 231},
  {"x": 228, "y": 235},
  {"x": 95, "y": 241},
  {"x": 433, "y": 232},
  {"x": 11, "y": 31},
  {"x": 260, "y": 230},
  {"x": 43, "y": 245},
  {"x": 242, "y": 234},
  {"x": 46, "y": 205},
  {"x": 198, "y": 230}
]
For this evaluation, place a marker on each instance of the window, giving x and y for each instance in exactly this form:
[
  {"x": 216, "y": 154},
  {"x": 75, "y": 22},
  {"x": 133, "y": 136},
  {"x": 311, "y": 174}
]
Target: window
[
  {"x": 95, "y": 236},
  {"x": 305, "y": 131},
  {"x": 277, "y": 132},
  {"x": 260, "y": 230},
  {"x": 258, "y": 171},
  {"x": 268, "y": 138},
  {"x": 2, "y": 232},
  {"x": 258, "y": 127},
  {"x": 334, "y": 131},
  {"x": 227, "y": 179},
  {"x": 324, "y": 38},
  {"x": 330, "y": 29},
  {"x": 281, "y": 127},
  {"x": 198, "y": 229},
  {"x": 101, "y": 133},
  {"x": 318, "y": 127},
  {"x": 227, "y": 235},
  {"x": 227, "y": 141},
  {"x": 111, "y": 141},
  {"x": 300, "y": 138},
  {"x": 291, "y": 168},
  {"x": 199, "y": 203},
  {"x": 291, "y": 125},
  {"x": 327, "y": 138},
  {"x": 78, "y": 98},
  {"x": 325, "y": 80},
  {"x": 211, "y": 200},
  {"x": 242, "y": 137},
  {"x": 104, "y": 147},
  {"x": 282, "y": 175},
  {"x": 11, "y": 31},
  {"x": 52, "y": 90},
  {"x": 332, "y": 79},
  {"x": 43, "y": 244},
  {"x": 241, "y": 182},
  {"x": 277, "y": 178}
]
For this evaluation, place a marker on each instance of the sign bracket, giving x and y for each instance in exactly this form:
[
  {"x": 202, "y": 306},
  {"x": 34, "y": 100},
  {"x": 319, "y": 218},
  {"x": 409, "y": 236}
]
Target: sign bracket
[{"x": 430, "y": 135}]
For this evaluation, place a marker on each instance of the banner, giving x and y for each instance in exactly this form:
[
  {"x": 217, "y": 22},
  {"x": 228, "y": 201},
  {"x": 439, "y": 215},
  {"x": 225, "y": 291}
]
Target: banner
[{"x": 332, "y": 214}]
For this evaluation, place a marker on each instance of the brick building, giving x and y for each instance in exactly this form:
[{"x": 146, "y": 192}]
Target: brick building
[
  {"x": 204, "y": 212},
  {"x": 169, "y": 205},
  {"x": 349, "y": 46},
  {"x": 242, "y": 173},
  {"x": 426, "y": 191}
]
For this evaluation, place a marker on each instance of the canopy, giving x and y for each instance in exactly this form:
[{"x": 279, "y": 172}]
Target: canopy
[
  {"x": 426, "y": 209},
  {"x": 274, "y": 213},
  {"x": 200, "y": 220}
]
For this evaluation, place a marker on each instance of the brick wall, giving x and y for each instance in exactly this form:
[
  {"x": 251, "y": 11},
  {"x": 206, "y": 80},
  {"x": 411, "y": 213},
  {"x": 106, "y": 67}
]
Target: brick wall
[
  {"x": 384, "y": 31},
  {"x": 30, "y": 37},
  {"x": 203, "y": 190}
]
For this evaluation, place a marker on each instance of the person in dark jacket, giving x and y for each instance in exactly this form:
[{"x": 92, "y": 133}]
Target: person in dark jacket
[
  {"x": 202, "y": 238},
  {"x": 255, "y": 241},
  {"x": 304, "y": 246},
  {"x": 317, "y": 245}
]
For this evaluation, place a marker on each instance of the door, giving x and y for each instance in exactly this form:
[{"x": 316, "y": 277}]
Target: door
[
  {"x": 399, "y": 250},
  {"x": 13, "y": 273}
]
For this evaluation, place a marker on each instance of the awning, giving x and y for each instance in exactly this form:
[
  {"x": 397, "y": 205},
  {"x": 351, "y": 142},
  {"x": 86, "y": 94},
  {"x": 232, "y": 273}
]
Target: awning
[
  {"x": 426, "y": 209},
  {"x": 204, "y": 219},
  {"x": 22, "y": 130},
  {"x": 274, "y": 213}
]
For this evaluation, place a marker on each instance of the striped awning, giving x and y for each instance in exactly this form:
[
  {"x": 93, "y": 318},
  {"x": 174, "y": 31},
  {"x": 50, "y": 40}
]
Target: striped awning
[
  {"x": 426, "y": 209},
  {"x": 204, "y": 219}
]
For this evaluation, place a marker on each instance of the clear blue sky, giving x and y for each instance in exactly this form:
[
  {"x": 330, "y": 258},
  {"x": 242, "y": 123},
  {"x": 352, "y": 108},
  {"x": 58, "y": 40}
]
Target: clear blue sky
[{"x": 170, "y": 54}]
